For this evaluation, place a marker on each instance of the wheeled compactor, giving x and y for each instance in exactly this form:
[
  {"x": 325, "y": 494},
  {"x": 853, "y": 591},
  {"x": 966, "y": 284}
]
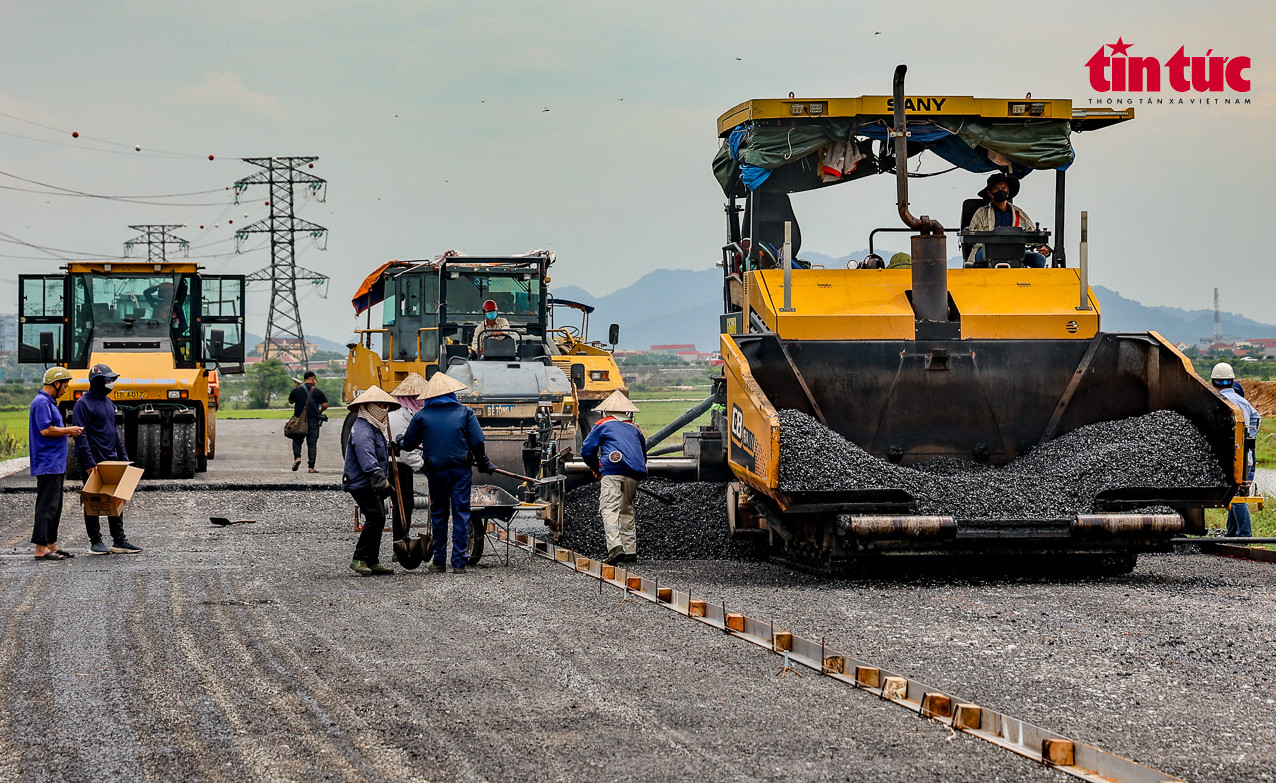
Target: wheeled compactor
[
  {"x": 169, "y": 330},
  {"x": 978, "y": 363}
]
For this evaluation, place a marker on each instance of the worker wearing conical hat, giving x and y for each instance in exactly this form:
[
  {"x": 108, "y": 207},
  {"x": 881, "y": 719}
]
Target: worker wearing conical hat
[
  {"x": 407, "y": 394},
  {"x": 365, "y": 476},
  {"x": 616, "y": 452},
  {"x": 452, "y": 444}
]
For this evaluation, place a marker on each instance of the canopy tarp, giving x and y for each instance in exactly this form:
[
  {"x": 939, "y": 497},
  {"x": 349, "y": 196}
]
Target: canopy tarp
[
  {"x": 753, "y": 153},
  {"x": 372, "y": 291},
  {"x": 584, "y": 308}
]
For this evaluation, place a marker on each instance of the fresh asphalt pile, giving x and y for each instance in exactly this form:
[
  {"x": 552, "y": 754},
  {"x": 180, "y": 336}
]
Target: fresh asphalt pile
[
  {"x": 694, "y": 526},
  {"x": 1059, "y": 479}
]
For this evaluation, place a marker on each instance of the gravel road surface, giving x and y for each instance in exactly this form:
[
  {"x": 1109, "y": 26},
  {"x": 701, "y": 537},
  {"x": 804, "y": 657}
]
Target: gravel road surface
[{"x": 252, "y": 653}]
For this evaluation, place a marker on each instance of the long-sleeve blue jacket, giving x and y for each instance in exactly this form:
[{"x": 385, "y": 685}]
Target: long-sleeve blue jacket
[
  {"x": 616, "y": 448},
  {"x": 1253, "y": 419},
  {"x": 446, "y": 431},
  {"x": 367, "y": 454},
  {"x": 100, "y": 441}
]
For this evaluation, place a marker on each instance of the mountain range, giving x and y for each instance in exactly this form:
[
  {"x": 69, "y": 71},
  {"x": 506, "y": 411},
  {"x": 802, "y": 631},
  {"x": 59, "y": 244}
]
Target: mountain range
[{"x": 671, "y": 306}]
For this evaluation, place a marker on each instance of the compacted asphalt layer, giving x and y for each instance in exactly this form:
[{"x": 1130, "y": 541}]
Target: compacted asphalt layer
[{"x": 253, "y": 653}]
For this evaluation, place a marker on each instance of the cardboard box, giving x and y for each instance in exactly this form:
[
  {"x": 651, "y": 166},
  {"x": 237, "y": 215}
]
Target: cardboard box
[{"x": 109, "y": 488}]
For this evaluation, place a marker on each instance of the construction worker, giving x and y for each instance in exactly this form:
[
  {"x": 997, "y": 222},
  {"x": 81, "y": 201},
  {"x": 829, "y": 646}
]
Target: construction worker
[
  {"x": 308, "y": 397},
  {"x": 999, "y": 211},
  {"x": 451, "y": 441},
  {"x": 101, "y": 442},
  {"x": 492, "y": 323},
  {"x": 407, "y": 394},
  {"x": 365, "y": 475},
  {"x": 46, "y": 441},
  {"x": 1224, "y": 380},
  {"x": 616, "y": 452}
]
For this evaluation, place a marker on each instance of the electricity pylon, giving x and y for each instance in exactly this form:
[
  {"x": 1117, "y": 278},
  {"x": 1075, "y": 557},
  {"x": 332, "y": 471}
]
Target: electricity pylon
[{"x": 284, "y": 320}]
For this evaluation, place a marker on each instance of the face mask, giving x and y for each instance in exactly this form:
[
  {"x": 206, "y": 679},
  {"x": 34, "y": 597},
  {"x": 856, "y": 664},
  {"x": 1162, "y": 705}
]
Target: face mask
[
  {"x": 491, "y": 316},
  {"x": 109, "y": 385},
  {"x": 1000, "y": 196}
]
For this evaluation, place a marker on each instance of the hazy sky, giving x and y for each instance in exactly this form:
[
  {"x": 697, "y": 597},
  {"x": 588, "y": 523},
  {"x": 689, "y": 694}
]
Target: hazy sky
[{"x": 429, "y": 120}]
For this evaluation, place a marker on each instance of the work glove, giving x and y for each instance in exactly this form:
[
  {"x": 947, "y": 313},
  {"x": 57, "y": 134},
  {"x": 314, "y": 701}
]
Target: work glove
[
  {"x": 396, "y": 446},
  {"x": 481, "y": 461},
  {"x": 381, "y": 486}
]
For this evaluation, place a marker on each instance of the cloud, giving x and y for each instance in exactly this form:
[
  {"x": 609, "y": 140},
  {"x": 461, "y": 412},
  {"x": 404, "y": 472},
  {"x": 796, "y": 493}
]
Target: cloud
[{"x": 226, "y": 89}]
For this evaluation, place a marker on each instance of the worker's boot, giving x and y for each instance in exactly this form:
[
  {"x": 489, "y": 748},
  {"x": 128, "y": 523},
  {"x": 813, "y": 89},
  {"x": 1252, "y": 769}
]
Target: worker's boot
[
  {"x": 614, "y": 556},
  {"x": 379, "y": 570},
  {"x": 361, "y": 568}
]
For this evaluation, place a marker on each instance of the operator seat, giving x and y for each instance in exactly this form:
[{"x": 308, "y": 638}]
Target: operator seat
[
  {"x": 771, "y": 211},
  {"x": 498, "y": 347},
  {"x": 968, "y": 209}
]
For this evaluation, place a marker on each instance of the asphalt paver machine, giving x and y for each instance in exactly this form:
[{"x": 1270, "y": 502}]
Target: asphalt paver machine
[{"x": 974, "y": 363}]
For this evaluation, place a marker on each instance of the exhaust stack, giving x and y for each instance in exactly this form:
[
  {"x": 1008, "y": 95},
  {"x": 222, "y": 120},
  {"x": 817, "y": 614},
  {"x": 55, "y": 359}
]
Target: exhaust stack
[{"x": 929, "y": 247}]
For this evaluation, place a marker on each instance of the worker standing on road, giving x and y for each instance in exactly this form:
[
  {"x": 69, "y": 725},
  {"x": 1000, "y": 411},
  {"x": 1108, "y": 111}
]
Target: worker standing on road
[
  {"x": 452, "y": 441},
  {"x": 46, "y": 441},
  {"x": 310, "y": 398},
  {"x": 365, "y": 475},
  {"x": 1224, "y": 379},
  {"x": 101, "y": 442},
  {"x": 616, "y": 452},
  {"x": 491, "y": 324},
  {"x": 406, "y": 463}
]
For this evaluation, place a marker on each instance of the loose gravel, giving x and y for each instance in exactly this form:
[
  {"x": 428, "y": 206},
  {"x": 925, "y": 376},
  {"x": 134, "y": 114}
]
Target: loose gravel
[
  {"x": 694, "y": 527},
  {"x": 1058, "y": 479}
]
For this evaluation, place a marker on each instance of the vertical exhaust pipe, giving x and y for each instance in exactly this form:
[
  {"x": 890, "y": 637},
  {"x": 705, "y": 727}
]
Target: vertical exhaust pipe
[{"x": 930, "y": 248}]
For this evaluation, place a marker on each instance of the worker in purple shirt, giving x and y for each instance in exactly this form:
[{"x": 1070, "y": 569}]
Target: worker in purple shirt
[
  {"x": 47, "y": 443},
  {"x": 100, "y": 442}
]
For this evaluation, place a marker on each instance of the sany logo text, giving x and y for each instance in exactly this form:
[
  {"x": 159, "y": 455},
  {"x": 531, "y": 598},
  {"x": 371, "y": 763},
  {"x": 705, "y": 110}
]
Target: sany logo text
[{"x": 1125, "y": 73}]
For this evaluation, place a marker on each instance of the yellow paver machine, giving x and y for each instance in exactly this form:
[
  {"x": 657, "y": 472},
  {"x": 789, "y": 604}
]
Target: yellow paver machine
[{"x": 977, "y": 364}]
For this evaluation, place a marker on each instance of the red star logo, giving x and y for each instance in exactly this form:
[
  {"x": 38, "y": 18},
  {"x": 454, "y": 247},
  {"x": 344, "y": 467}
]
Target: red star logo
[{"x": 1119, "y": 47}]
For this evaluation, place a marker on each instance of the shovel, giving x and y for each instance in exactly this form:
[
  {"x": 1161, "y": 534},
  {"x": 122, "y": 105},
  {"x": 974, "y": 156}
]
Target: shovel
[
  {"x": 223, "y": 521},
  {"x": 409, "y": 552},
  {"x": 668, "y": 501}
]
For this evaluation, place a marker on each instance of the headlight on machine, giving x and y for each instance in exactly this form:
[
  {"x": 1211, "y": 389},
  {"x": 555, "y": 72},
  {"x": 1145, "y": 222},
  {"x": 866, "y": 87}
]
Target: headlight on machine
[
  {"x": 599, "y": 375},
  {"x": 177, "y": 394}
]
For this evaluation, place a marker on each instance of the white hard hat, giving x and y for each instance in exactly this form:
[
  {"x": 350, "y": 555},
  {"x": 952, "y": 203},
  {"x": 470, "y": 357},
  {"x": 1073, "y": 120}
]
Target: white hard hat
[{"x": 1222, "y": 372}]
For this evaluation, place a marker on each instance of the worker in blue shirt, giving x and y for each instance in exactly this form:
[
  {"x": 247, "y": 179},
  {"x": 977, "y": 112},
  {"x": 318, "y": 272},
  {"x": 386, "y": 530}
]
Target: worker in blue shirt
[
  {"x": 616, "y": 452},
  {"x": 101, "y": 442},
  {"x": 452, "y": 444},
  {"x": 1224, "y": 380},
  {"x": 46, "y": 439}
]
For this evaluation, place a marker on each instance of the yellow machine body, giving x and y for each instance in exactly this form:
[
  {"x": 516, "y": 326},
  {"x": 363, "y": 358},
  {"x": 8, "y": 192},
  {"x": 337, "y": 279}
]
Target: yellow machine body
[{"x": 164, "y": 328}]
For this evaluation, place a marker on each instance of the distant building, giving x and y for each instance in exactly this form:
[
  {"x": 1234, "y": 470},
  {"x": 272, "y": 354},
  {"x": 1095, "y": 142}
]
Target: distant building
[
  {"x": 672, "y": 348},
  {"x": 286, "y": 349},
  {"x": 1263, "y": 346}
]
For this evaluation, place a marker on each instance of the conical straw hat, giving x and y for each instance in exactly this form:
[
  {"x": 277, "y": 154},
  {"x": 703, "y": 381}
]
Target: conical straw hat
[
  {"x": 441, "y": 384},
  {"x": 411, "y": 386},
  {"x": 617, "y": 403},
  {"x": 375, "y": 394}
]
